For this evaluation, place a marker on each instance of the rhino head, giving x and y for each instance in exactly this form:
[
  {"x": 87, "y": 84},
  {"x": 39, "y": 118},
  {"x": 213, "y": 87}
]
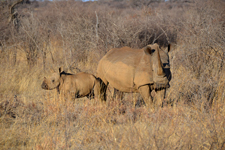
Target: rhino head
[
  {"x": 159, "y": 75},
  {"x": 51, "y": 82}
]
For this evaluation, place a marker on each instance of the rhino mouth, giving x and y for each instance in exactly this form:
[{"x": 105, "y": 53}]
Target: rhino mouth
[
  {"x": 44, "y": 86},
  {"x": 159, "y": 86}
]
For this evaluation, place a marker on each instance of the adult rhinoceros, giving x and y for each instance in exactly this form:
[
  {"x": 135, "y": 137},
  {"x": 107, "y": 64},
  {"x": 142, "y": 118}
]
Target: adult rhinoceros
[{"x": 136, "y": 70}]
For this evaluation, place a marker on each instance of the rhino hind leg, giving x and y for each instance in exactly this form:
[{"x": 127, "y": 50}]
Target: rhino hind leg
[
  {"x": 139, "y": 103},
  {"x": 103, "y": 88},
  {"x": 118, "y": 94},
  {"x": 91, "y": 95},
  {"x": 145, "y": 93}
]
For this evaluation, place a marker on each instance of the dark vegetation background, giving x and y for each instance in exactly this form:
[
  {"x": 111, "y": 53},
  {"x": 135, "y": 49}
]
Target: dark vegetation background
[{"x": 36, "y": 37}]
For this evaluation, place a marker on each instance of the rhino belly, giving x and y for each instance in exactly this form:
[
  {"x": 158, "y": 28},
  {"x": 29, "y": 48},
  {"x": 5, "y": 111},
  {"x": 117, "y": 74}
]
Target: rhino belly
[{"x": 120, "y": 76}]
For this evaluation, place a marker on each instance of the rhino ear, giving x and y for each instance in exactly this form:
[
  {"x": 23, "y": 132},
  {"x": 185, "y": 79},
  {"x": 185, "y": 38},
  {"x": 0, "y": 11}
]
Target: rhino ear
[
  {"x": 148, "y": 50},
  {"x": 60, "y": 69},
  {"x": 168, "y": 48}
]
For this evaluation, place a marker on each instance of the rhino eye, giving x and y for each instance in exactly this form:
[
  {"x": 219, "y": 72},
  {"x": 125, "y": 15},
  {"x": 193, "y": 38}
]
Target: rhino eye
[{"x": 53, "y": 80}]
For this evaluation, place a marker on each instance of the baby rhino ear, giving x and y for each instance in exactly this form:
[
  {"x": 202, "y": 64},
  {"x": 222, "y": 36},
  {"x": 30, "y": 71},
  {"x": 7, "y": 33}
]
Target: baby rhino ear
[
  {"x": 148, "y": 50},
  {"x": 60, "y": 69}
]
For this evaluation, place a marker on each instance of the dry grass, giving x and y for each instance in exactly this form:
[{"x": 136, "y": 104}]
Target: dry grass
[
  {"x": 194, "y": 117},
  {"x": 52, "y": 124},
  {"x": 38, "y": 119}
]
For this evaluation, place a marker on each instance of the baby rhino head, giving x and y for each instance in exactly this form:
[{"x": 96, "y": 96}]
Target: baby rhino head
[{"x": 52, "y": 81}]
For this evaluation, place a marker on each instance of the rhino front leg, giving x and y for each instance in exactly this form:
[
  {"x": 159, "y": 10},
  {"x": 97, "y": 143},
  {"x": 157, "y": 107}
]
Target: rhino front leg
[
  {"x": 65, "y": 95},
  {"x": 145, "y": 93},
  {"x": 159, "y": 98}
]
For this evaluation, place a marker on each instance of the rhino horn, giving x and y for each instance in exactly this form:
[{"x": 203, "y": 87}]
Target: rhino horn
[{"x": 160, "y": 69}]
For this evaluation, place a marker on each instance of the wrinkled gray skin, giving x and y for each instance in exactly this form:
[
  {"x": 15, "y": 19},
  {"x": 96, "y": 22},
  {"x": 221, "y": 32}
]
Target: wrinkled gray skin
[
  {"x": 73, "y": 85},
  {"x": 136, "y": 70}
]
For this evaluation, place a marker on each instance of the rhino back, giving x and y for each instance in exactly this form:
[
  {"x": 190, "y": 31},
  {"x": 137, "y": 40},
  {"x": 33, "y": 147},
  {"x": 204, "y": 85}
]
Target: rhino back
[
  {"x": 121, "y": 66},
  {"x": 84, "y": 83},
  {"x": 81, "y": 83}
]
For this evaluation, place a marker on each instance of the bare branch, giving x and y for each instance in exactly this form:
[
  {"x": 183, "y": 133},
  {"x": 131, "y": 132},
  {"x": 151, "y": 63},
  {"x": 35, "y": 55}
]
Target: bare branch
[{"x": 11, "y": 10}]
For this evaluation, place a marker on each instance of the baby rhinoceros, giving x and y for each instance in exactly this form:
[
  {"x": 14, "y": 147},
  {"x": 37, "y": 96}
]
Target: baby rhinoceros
[{"x": 73, "y": 85}]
